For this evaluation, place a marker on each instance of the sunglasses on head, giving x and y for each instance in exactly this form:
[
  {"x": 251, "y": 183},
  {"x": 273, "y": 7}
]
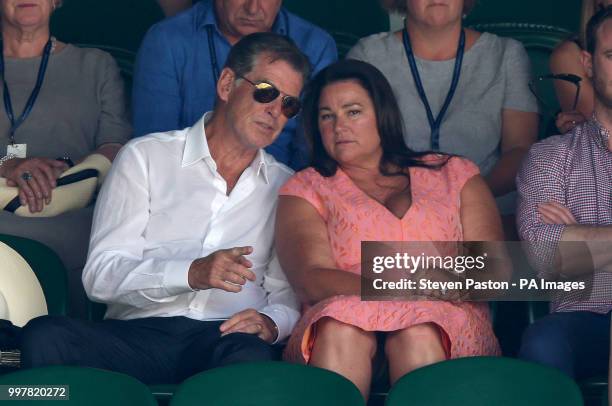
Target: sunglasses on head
[{"x": 266, "y": 93}]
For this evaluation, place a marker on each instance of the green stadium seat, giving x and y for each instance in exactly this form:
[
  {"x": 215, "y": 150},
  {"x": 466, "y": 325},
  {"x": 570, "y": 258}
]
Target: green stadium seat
[
  {"x": 485, "y": 381},
  {"x": 565, "y": 13},
  {"x": 346, "y": 20},
  {"x": 87, "y": 386},
  {"x": 115, "y": 23},
  {"x": 267, "y": 383},
  {"x": 48, "y": 268}
]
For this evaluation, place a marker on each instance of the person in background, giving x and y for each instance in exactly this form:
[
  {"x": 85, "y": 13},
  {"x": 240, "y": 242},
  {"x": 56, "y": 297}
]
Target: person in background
[
  {"x": 366, "y": 185},
  {"x": 179, "y": 63},
  {"x": 567, "y": 58},
  {"x": 60, "y": 101},
  {"x": 182, "y": 240},
  {"x": 460, "y": 91},
  {"x": 565, "y": 195}
]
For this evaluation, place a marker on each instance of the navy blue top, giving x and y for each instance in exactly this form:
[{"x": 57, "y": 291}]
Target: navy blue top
[{"x": 174, "y": 84}]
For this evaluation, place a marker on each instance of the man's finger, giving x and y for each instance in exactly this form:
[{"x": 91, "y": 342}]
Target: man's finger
[
  {"x": 239, "y": 251},
  {"x": 241, "y": 271},
  {"x": 237, "y": 318},
  {"x": 247, "y": 326}
]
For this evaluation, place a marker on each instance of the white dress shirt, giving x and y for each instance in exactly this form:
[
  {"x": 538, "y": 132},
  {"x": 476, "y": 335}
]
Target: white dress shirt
[{"x": 162, "y": 206}]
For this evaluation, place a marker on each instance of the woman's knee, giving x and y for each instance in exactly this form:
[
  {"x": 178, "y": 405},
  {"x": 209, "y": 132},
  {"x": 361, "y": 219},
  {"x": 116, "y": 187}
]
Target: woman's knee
[
  {"x": 414, "y": 337},
  {"x": 340, "y": 336}
]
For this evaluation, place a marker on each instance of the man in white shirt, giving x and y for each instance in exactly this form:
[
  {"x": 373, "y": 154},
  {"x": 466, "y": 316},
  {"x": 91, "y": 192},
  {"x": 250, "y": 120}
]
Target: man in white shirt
[{"x": 182, "y": 240}]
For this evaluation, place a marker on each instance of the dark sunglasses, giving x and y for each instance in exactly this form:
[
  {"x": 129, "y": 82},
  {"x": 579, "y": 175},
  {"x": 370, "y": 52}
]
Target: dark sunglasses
[
  {"x": 266, "y": 93},
  {"x": 567, "y": 77}
]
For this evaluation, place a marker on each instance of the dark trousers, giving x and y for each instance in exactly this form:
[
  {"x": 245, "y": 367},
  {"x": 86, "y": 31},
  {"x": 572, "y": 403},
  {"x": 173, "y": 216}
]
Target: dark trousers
[
  {"x": 577, "y": 343},
  {"x": 155, "y": 350}
]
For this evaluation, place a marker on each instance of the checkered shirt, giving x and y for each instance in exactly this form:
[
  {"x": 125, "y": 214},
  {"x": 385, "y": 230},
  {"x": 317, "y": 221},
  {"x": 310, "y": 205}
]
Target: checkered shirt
[{"x": 574, "y": 170}]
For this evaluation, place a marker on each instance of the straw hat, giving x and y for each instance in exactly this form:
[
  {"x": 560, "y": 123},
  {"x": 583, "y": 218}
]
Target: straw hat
[
  {"x": 75, "y": 189},
  {"x": 22, "y": 296}
]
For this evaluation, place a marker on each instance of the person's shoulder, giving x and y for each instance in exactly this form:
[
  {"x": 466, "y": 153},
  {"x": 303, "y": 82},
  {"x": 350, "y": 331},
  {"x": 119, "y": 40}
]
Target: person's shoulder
[
  {"x": 182, "y": 24},
  {"x": 371, "y": 47},
  {"x": 375, "y": 40},
  {"x": 552, "y": 152},
  {"x": 157, "y": 142},
  {"x": 304, "y": 28},
  {"x": 566, "y": 50},
  {"x": 87, "y": 59}
]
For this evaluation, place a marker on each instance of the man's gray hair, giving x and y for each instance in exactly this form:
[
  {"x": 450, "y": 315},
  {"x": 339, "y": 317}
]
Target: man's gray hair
[{"x": 244, "y": 53}]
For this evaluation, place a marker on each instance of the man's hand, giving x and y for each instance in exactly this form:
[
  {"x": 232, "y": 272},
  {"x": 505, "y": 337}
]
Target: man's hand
[
  {"x": 35, "y": 178},
  {"x": 250, "y": 321},
  {"x": 567, "y": 120},
  {"x": 555, "y": 213},
  {"x": 224, "y": 269}
]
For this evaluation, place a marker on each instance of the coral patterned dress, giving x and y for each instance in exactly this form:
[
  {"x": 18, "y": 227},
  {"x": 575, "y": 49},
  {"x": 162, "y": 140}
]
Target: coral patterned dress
[{"x": 352, "y": 216}]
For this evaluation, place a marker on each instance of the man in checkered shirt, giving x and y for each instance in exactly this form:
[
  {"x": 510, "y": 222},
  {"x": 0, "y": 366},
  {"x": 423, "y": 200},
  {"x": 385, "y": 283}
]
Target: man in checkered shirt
[{"x": 565, "y": 194}]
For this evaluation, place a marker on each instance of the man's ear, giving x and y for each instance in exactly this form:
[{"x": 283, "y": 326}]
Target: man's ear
[
  {"x": 587, "y": 63},
  {"x": 225, "y": 84}
]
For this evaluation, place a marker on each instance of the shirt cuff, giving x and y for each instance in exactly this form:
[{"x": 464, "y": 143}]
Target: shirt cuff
[
  {"x": 284, "y": 317},
  {"x": 176, "y": 277}
]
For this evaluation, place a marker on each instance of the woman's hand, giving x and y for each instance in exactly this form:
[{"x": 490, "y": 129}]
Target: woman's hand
[
  {"x": 567, "y": 120},
  {"x": 35, "y": 178}
]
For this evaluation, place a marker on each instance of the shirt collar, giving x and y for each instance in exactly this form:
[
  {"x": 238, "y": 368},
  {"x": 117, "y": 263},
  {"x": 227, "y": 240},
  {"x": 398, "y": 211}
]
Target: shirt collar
[
  {"x": 196, "y": 149},
  {"x": 206, "y": 16},
  {"x": 601, "y": 133},
  {"x": 196, "y": 145}
]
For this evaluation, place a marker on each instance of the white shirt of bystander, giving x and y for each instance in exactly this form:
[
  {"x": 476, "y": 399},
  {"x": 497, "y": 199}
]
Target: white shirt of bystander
[{"x": 162, "y": 206}]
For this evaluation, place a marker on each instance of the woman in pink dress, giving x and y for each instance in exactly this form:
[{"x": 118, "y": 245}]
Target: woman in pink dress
[{"x": 366, "y": 185}]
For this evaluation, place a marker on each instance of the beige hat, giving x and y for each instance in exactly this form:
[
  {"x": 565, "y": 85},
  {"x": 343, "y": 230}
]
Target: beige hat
[
  {"x": 75, "y": 189},
  {"x": 22, "y": 296}
]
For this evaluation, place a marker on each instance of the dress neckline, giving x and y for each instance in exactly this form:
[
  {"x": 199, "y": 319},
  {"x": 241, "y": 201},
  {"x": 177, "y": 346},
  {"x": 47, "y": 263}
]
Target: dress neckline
[{"x": 380, "y": 205}]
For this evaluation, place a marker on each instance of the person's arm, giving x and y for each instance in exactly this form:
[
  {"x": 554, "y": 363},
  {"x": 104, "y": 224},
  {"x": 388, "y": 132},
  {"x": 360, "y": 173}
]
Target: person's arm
[
  {"x": 519, "y": 132},
  {"x": 519, "y": 127},
  {"x": 305, "y": 254},
  {"x": 567, "y": 58},
  {"x": 116, "y": 270},
  {"x": 156, "y": 96}
]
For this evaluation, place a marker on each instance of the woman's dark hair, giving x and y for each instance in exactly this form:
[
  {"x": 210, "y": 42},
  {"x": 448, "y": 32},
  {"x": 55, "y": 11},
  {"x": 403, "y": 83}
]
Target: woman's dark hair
[{"x": 395, "y": 153}]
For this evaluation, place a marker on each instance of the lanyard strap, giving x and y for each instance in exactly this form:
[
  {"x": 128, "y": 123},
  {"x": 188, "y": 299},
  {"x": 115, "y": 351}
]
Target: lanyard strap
[
  {"x": 435, "y": 124},
  {"x": 8, "y": 106},
  {"x": 212, "y": 50}
]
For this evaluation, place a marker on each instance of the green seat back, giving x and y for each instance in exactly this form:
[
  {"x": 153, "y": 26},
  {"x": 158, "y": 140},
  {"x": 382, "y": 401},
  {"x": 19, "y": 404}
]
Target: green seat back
[
  {"x": 560, "y": 13},
  {"x": 346, "y": 20},
  {"x": 115, "y": 23},
  {"x": 87, "y": 386},
  {"x": 267, "y": 383},
  {"x": 485, "y": 381},
  {"x": 48, "y": 268}
]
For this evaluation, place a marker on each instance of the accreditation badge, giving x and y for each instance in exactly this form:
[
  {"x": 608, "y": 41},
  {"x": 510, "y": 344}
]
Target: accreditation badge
[{"x": 19, "y": 150}]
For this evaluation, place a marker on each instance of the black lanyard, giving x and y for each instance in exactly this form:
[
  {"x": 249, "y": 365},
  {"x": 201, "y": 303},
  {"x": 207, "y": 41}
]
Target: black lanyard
[
  {"x": 8, "y": 106},
  {"x": 212, "y": 50},
  {"x": 435, "y": 124}
]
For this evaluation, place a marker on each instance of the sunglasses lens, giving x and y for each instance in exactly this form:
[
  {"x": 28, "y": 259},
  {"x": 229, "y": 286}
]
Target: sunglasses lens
[
  {"x": 291, "y": 106},
  {"x": 265, "y": 93}
]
